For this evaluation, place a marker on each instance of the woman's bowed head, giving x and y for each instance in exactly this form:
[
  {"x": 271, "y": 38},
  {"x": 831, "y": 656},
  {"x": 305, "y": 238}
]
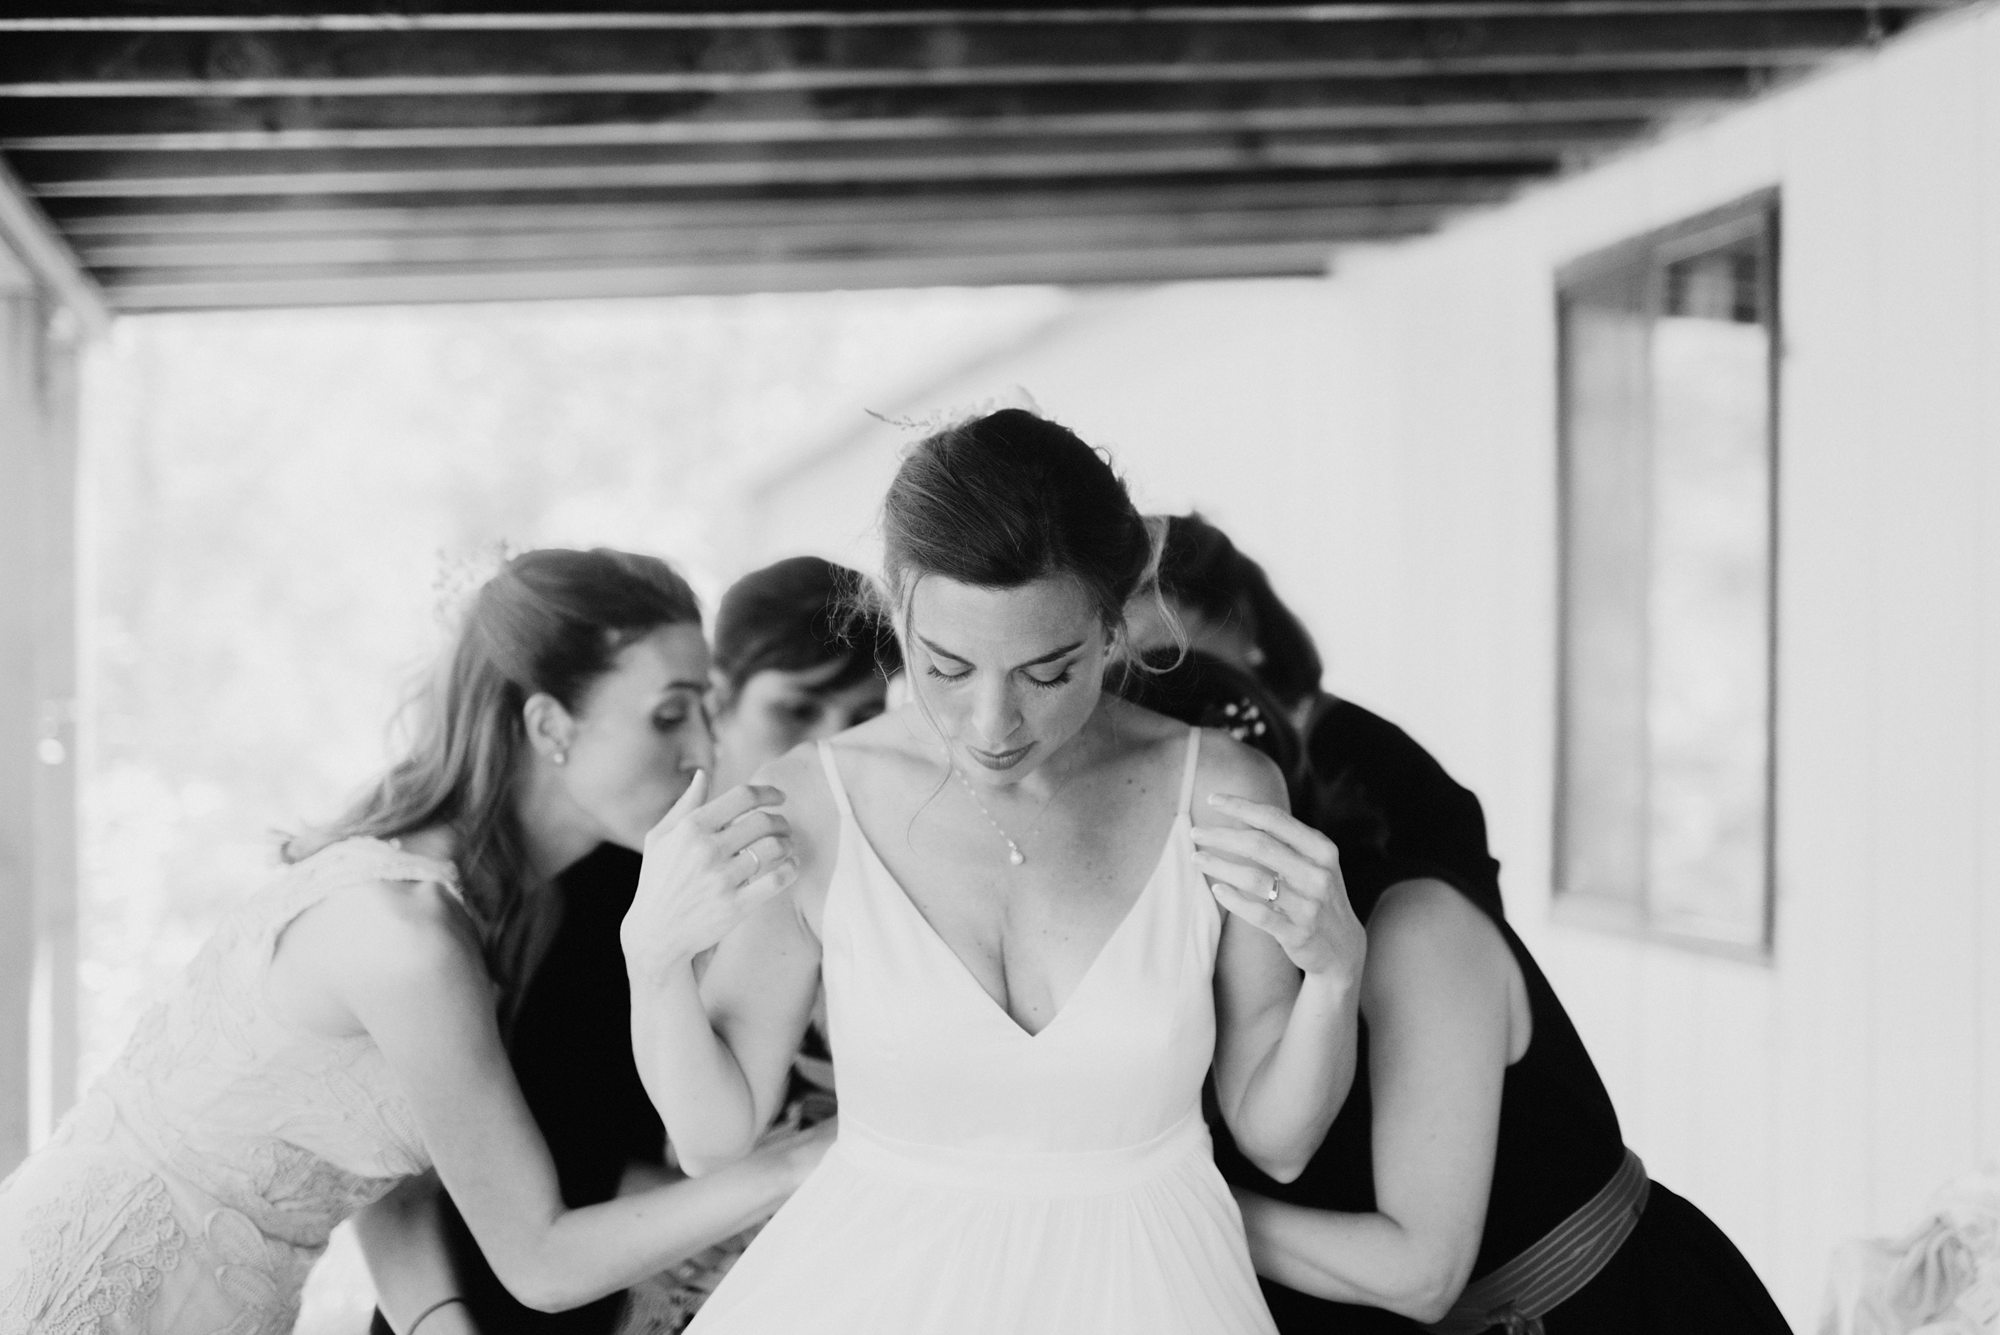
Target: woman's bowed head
[{"x": 1002, "y": 530}]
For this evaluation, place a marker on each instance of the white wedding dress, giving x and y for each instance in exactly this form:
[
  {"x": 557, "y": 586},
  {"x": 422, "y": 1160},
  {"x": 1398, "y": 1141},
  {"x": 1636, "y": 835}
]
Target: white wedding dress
[
  {"x": 189, "y": 1192},
  {"x": 989, "y": 1180}
]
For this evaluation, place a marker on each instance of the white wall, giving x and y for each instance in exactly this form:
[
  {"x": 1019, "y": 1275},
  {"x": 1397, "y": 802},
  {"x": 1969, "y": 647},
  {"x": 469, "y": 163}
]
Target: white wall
[
  {"x": 1828, "y": 1094},
  {"x": 1386, "y": 443},
  {"x": 1158, "y": 376}
]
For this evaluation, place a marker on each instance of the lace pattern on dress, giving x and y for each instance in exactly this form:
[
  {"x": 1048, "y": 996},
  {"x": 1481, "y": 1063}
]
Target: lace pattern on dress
[
  {"x": 97, "y": 1255},
  {"x": 196, "y": 1183}
]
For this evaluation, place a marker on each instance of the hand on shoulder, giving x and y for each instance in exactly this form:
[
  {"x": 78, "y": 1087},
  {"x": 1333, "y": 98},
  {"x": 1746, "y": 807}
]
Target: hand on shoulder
[
  {"x": 1268, "y": 868},
  {"x": 707, "y": 866}
]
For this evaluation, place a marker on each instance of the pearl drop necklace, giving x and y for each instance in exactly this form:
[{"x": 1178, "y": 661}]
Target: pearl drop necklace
[{"x": 1015, "y": 856}]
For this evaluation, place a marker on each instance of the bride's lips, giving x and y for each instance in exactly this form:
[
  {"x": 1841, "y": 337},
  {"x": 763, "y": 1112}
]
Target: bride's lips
[{"x": 1000, "y": 759}]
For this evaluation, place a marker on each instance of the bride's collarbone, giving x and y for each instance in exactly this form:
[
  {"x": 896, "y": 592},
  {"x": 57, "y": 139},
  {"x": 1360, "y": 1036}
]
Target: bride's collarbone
[{"x": 1073, "y": 850}]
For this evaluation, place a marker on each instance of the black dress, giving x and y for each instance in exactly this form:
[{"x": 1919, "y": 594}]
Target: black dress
[
  {"x": 570, "y": 1044},
  {"x": 1396, "y": 815}
]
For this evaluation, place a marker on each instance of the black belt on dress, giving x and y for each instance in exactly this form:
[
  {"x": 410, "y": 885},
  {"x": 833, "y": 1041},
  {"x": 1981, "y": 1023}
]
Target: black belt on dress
[{"x": 1517, "y": 1295}]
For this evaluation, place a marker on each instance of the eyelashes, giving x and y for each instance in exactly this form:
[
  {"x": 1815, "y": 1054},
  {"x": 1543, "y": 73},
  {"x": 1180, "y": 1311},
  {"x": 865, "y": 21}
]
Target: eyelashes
[{"x": 1067, "y": 675}]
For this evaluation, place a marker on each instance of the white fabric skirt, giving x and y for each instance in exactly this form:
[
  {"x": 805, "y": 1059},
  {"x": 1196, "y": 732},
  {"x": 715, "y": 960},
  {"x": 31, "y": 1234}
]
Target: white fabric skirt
[{"x": 890, "y": 1238}]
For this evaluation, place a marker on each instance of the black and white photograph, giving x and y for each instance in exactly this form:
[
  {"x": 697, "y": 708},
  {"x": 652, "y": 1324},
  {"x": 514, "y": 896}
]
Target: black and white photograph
[{"x": 1049, "y": 669}]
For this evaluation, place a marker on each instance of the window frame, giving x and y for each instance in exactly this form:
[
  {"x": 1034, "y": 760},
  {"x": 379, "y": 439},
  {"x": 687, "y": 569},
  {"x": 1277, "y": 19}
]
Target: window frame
[{"x": 1645, "y": 260}]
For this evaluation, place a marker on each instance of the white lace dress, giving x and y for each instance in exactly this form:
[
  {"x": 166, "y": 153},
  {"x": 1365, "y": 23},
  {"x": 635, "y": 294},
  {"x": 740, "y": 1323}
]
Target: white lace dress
[{"x": 195, "y": 1184}]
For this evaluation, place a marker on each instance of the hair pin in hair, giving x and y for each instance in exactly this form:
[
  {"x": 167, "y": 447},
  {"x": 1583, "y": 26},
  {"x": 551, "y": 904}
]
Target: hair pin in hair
[
  {"x": 1242, "y": 719},
  {"x": 937, "y": 419},
  {"x": 460, "y": 575}
]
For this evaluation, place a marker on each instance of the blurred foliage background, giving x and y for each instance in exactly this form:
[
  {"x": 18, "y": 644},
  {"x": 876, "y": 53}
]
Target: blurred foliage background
[{"x": 273, "y": 499}]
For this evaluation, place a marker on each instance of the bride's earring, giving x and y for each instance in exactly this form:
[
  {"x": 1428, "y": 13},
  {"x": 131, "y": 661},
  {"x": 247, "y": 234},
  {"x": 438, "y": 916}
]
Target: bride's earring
[{"x": 560, "y": 756}]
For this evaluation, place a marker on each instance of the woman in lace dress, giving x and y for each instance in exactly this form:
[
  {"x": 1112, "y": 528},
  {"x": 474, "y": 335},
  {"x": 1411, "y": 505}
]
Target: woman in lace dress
[
  {"x": 788, "y": 667},
  {"x": 341, "y": 1032}
]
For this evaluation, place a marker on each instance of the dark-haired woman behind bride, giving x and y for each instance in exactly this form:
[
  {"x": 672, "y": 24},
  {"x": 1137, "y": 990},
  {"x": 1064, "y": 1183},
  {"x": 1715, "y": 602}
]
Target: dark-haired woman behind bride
[{"x": 338, "y": 1035}]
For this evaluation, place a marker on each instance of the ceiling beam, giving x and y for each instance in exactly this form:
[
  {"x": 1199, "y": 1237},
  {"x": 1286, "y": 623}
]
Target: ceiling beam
[
  {"x": 214, "y": 17},
  {"x": 1522, "y": 152},
  {"x": 277, "y": 218},
  {"x": 800, "y": 231},
  {"x": 1632, "y": 110},
  {"x": 390, "y": 171},
  {"x": 342, "y": 286},
  {"x": 966, "y": 54},
  {"x": 283, "y": 216},
  {"x": 26, "y": 231},
  {"x": 350, "y": 122}
]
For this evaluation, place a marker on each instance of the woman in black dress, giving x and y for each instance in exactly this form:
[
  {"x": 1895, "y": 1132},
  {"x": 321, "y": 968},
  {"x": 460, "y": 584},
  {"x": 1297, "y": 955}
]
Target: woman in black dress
[
  {"x": 1476, "y": 1177},
  {"x": 570, "y": 1045}
]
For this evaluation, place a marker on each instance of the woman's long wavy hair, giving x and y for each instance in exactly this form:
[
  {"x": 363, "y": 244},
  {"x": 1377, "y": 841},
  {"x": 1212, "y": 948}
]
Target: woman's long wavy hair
[{"x": 550, "y": 622}]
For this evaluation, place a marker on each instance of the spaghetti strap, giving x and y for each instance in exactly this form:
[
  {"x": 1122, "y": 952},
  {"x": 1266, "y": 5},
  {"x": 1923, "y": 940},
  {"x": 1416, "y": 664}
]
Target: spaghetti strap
[
  {"x": 1187, "y": 779},
  {"x": 833, "y": 780}
]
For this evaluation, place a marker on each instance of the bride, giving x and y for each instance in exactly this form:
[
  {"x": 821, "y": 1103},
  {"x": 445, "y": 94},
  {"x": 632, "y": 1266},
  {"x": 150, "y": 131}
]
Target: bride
[
  {"x": 338, "y": 1034},
  {"x": 1040, "y": 913}
]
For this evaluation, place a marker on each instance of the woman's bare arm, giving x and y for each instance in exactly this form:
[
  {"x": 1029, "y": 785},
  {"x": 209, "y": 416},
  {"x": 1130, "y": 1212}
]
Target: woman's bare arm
[
  {"x": 402, "y": 1239},
  {"x": 1287, "y": 974},
  {"x": 1440, "y": 996},
  {"x": 403, "y": 961},
  {"x": 714, "y": 1053}
]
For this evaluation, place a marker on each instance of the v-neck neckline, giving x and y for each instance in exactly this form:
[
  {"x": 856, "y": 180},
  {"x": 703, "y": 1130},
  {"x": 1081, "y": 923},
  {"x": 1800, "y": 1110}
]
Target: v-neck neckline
[{"x": 964, "y": 971}]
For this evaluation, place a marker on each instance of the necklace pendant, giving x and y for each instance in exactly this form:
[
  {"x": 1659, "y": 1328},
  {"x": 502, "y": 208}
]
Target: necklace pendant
[{"x": 1015, "y": 857}]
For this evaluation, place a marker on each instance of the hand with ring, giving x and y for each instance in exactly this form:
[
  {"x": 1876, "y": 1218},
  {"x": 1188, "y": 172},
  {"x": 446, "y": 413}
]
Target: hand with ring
[
  {"x": 695, "y": 883},
  {"x": 1283, "y": 877}
]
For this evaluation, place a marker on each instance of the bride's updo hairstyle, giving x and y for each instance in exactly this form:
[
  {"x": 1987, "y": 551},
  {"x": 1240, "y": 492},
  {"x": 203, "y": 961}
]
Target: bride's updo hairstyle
[
  {"x": 548, "y": 622},
  {"x": 1002, "y": 500}
]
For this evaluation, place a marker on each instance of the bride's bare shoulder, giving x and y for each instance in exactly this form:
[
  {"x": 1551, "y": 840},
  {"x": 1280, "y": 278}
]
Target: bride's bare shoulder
[
  {"x": 1227, "y": 767},
  {"x": 898, "y": 744},
  {"x": 1138, "y": 730}
]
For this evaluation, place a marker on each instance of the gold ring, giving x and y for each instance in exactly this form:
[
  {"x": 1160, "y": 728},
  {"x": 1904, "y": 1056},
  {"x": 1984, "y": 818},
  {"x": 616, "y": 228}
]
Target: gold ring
[
  {"x": 1271, "y": 895},
  {"x": 756, "y": 862}
]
